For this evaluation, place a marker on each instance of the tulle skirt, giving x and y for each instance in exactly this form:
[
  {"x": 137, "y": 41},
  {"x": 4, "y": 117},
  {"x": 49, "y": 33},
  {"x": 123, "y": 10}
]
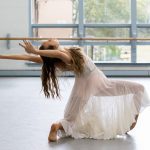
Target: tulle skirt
[{"x": 102, "y": 108}]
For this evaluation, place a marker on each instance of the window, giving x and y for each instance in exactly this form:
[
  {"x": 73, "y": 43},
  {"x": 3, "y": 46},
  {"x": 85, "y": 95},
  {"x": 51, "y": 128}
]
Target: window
[
  {"x": 109, "y": 53},
  {"x": 107, "y": 32},
  {"x": 96, "y": 19},
  {"x": 107, "y": 11},
  {"x": 143, "y": 11},
  {"x": 54, "y": 11}
]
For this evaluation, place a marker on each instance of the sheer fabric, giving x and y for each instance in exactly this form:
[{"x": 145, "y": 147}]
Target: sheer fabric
[{"x": 102, "y": 108}]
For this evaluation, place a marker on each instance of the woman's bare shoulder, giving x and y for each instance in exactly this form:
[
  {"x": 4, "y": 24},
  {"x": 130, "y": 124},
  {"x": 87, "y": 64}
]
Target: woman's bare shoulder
[{"x": 65, "y": 55}]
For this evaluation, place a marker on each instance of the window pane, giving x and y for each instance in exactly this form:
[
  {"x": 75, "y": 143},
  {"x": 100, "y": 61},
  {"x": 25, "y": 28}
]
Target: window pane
[
  {"x": 55, "y": 32},
  {"x": 143, "y": 11},
  {"x": 55, "y": 11},
  {"x": 110, "y": 53},
  {"x": 107, "y": 11},
  {"x": 143, "y": 54},
  {"x": 107, "y": 32},
  {"x": 143, "y": 32}
]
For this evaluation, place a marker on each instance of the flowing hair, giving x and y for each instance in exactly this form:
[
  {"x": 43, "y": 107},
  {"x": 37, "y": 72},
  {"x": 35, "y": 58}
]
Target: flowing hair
[
  {"x": 49, "y": 79},
  {"x": 77, "y": 60}
]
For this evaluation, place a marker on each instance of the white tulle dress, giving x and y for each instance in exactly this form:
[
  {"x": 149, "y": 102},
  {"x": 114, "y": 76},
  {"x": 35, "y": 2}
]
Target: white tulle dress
[{"x": 102, "y": 108}]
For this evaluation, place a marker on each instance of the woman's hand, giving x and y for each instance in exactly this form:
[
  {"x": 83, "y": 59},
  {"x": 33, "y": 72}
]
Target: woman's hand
[{"x": 29, "y": 48}]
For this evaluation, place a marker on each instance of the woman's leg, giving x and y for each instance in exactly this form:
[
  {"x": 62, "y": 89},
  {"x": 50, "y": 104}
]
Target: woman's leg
[
  {"x": 134, "y": 123},
  {"x": 123, "y": 88},
  {"x": 53, "y": 132}
]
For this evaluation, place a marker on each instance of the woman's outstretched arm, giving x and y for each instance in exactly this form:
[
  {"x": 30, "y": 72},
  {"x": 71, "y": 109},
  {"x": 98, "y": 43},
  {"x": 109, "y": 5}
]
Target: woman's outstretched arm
[
  {"x": 32, "y": 58},
  {"x": 64, "y": 56}
]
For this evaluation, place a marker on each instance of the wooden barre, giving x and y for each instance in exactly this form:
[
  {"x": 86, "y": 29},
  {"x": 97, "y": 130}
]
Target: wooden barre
[{"x": 74, "y": 39}]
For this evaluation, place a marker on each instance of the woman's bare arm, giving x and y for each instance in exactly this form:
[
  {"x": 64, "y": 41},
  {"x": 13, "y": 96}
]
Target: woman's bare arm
[
  {"x": 65, "y": 57},
  {"x": 61, "y": 54},
  {"x": 32, "y": 58}
]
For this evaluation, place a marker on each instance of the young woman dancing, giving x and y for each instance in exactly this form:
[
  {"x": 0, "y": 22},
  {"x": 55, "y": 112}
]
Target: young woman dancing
[{"x": 98, "y": 107}]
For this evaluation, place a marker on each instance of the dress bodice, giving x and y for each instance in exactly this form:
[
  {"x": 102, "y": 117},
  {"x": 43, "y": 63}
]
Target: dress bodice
[{"x": 89, "y": 66}]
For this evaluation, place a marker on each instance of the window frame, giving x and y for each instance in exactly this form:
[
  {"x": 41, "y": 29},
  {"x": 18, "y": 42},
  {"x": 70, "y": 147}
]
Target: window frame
[{"x": 81, "y": 26}]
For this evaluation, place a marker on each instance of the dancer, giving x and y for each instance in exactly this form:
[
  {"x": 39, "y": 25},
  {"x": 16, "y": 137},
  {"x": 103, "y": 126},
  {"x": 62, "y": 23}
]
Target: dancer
[{"x": 98, "y": 107}]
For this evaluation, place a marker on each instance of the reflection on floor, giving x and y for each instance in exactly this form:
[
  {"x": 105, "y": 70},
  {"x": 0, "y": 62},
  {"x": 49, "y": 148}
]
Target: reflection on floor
[{"x": 26, "y": 116}]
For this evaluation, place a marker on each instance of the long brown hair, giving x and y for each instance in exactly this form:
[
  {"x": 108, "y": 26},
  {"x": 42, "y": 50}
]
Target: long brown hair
[
  {"x": 49, "y": 79},
  {"x": 77, "y": 59}
]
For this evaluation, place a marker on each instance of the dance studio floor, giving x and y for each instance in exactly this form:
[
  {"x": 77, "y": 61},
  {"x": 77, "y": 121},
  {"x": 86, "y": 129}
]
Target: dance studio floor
[{"x": 26, "y": 116}]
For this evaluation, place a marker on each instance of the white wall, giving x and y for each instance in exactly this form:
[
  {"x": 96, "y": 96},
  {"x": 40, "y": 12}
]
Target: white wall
[{"x": 14, "y": 19}]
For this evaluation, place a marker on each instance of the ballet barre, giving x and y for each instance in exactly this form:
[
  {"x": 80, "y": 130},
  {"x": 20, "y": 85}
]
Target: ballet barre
[{"x": 77, "y": 39}]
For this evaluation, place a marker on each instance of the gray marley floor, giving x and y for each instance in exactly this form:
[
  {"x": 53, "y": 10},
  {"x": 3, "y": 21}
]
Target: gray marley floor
[{"x": 26, "y": 116}]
